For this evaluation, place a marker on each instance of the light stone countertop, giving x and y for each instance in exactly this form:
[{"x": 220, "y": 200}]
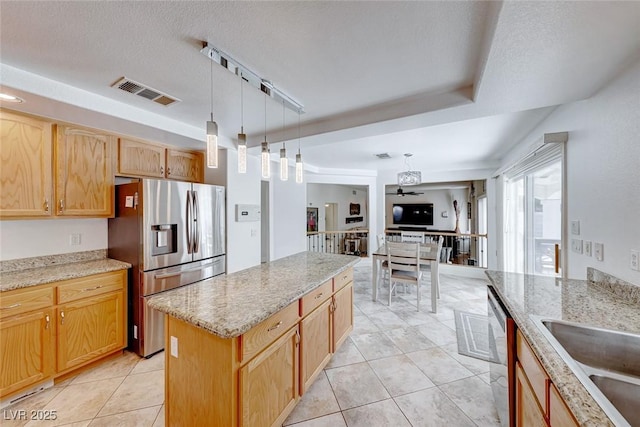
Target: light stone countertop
[
  {"x": 591, "y": 302},
  {"x": 230, "y": 305},
  {"x": 39, "y": 276}
]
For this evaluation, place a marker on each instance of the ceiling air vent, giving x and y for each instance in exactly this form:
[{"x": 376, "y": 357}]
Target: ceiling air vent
[
  {"x": 143, "y": 91},
  {"x": 383, "y": 156}
]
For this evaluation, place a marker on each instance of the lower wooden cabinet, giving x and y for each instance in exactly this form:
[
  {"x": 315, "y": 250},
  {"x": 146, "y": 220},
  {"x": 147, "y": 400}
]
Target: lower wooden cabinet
[
  {"x": 49, "y": 330},
  {"x": 269, "y": 383},
  {"x": 559, "y": 414},
  {"x": 342, "y": 315},
  {"x": 27, "y": 350},
  {"x": 89, "y": 328},
  {"x": 316, "y": 344},
  {"x": 528, "y": 411}
]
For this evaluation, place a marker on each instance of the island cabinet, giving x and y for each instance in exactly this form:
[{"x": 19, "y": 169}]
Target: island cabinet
[
  {"x": 54, "y": 170},
  {"x": 50, "y": 330},
  {"x": 538, "y": 402},
  {"x": 257, "y": 378}
]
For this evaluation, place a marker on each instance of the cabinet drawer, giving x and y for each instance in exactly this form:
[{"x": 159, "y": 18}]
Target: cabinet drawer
[
  {"x": 267, "y": 331},
  {"x": 340, "y": 280},
  {"x": 24, "y": 300},
  {"x": 534, "y": 371},
  {"x": 75, "y": 289},
  {"x": 313, "y": 299}
]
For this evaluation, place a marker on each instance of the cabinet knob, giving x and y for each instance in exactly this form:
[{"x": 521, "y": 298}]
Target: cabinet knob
[
  {"x": 161, "y": 170},
  {"x": 61, "y": 208},
  {"x": 168, "y": 171},
  {"x": 46, "y": 205},
  {"x": 276, "y": 326},
  {"x": 62, "y": 317},
  {"x": 48, "y": 320}
]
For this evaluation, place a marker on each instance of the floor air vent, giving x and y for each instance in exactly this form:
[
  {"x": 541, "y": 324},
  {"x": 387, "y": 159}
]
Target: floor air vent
[{"x": 143, "y": 91}]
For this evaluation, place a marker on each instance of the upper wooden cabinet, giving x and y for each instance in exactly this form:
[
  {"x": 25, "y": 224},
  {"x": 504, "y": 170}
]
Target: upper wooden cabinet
[
  {"x": 25, "y": 176},
  {"x": 137, "y": 158},
  {"x": 84, "y": 172}
]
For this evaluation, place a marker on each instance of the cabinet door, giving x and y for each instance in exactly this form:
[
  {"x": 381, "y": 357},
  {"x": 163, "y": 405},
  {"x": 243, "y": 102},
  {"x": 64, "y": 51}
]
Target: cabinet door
[
  {"x": 269, "y": 383},
  {"x": 528, "y": 411},
  {"x": 25, "y": 176},
  {"x": 140, "y": 159},
  {"x": 185, "y": 165},
  {"x": 559, "y": 414},
  {"x": 342, "y": 315},
  {"x": 315, "y": 344},
  {"x": 84, "y": 172},
  {"x": 26, "y": 350},
  {"x": 88, "y": 328}
]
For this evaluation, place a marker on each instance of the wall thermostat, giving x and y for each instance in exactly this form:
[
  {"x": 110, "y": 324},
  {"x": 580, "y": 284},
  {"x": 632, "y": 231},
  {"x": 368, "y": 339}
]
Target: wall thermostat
[{"x": 247, "y": 213}]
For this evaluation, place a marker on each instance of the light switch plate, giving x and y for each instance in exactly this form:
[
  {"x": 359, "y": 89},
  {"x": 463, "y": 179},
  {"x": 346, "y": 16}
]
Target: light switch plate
[
  {"x": 587, "y": 247},
  {"x": 634, "y": 262},
  {"x": 575, "y": 227},
  {"x": 598, "y": 250},
  {"x": 576, "y": 245}
]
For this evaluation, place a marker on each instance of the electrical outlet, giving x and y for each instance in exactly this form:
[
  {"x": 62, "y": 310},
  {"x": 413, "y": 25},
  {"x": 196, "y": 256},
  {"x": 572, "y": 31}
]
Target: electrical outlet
[
  {"x": 75, "y": 239},
  {"x": 587, "y": 247},
  {"x": 575, "y": 227},
  {"x": 576, "y": 245},
  {"x": 173, "y": 346},
  {"x": 635, "y": 260},
  {"x": 598, "y": 250}
]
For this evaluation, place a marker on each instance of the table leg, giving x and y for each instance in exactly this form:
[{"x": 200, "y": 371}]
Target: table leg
[
  {"x": 374, "y": 280},
  {"x": 434, "y": 284}
]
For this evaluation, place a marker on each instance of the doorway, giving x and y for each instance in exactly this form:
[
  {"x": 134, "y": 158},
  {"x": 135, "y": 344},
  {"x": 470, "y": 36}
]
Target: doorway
[{"x": 330, "y": 217}]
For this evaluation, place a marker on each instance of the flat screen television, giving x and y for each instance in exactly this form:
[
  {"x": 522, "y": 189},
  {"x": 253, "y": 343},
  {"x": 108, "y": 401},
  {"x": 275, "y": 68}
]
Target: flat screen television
[{"x": 413, "y": 214}]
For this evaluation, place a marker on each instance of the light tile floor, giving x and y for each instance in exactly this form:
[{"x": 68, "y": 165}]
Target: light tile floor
[{"x": 399, "y": 367}]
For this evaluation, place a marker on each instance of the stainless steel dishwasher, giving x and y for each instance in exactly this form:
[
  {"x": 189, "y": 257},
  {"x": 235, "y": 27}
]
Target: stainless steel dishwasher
[{"x": 502, "y": 371}]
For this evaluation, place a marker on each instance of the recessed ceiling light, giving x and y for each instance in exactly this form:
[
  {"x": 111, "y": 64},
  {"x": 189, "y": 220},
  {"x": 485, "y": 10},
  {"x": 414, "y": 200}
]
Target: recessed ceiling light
[{"x": 10, "y": 98}]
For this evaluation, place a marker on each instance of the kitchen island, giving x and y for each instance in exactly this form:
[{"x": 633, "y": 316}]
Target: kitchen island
[
  {"x": 601, "y": 301},
  {"x": 242, "y": 348}
]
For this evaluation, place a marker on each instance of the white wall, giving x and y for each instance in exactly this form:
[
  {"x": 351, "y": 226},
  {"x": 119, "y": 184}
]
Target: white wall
[
  {"x": 31, "y": 238},
  {"x": 603, "y": 172},
  {"x": 288, "y": 217},
  {"x": 342, "y": 195}
]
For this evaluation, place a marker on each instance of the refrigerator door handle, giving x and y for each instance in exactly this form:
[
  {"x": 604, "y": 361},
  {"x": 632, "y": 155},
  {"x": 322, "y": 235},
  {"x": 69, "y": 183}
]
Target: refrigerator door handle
[
  {"x": 188, "y": 223},
  {"x": 196, "y": 218}
]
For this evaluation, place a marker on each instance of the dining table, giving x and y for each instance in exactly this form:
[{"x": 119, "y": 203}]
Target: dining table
[{"x": 428, "y": 254}]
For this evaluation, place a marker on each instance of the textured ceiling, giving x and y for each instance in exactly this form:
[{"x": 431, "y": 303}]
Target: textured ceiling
[{"x": 462, "y": 80}]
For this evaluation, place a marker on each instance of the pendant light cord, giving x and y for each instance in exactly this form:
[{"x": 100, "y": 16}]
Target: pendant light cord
[
  {"x": 241, "y": 105},
  {"x": 298, "y": 132},
  {"x": 212, "y": 90},
  {"x": 265, "y": 117},
  {"x": 283, "y": 124}
]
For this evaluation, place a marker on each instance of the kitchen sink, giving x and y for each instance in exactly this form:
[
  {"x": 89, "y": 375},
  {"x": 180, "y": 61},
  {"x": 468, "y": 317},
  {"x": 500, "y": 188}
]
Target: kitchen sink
[{"x": 606, "y": 362}]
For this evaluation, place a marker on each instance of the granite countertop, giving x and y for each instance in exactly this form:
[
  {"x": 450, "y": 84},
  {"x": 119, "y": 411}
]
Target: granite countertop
[
  {"x": 35, "y": 271},
  {"x": 602, "y": 301},
  {"x": 230, "y": 305}
]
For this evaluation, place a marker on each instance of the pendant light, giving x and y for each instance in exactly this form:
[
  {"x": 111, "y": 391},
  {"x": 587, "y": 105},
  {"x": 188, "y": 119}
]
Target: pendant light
[
  {"x": 266, "y": 172},
  {"x": 284, "y": 162},
  {"x": 212, "y": 134},
  {"x": 242, "y": 138},
  {"x": 299, "y": 166}
]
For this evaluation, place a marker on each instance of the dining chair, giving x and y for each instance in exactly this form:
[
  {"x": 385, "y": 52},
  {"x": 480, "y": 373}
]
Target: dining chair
[
  {"x": 404, "y": 267},
  {"x": 426, "y": 266},
  {"x": 384, "y": 265},
  {"x": 412, "y": 236}
]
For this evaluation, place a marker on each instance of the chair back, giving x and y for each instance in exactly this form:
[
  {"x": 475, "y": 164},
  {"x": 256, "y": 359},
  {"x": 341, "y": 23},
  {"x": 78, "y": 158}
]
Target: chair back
[
  {"x": 412, "y": 236},
  {"x": 381, "y": 238},
  {"x": 403, "y": 256}
]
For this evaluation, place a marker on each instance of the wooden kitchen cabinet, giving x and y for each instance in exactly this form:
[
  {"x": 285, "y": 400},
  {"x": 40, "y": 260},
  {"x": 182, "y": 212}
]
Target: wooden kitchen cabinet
[
  {"x": 25, "y": 176},
  {"x": 559, "y": 414},
  {"x": 27, "y": 350},
  {"x": 316, "y": 344},
  {"x": 185, "y": 165},
  {"x": 84, "y": 172},
  {"x": 138, "y": 158},
  {"x": 269, "y": 383},
  {"x": 528, "y": 410},
  {"x": 342, "y": 315},
  {"x": 49, "y": 330}
]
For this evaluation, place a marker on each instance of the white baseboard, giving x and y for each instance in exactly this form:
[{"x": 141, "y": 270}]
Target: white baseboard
[{"x": 25, "y": 394}]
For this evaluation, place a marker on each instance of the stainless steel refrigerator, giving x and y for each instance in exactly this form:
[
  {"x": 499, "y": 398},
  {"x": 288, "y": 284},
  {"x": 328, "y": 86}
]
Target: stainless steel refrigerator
[{"x": 173, "y": 234}]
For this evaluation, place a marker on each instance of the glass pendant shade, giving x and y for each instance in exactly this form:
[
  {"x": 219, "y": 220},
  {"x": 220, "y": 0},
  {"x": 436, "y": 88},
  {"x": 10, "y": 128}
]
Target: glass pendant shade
[
  {"x": 284, "y": 165},
  {"x": 212, "y": 144},
  {"x": 266, "y": 161},
  {"x": 242, "y": 153},
  {"x": 299, "y": 168}
]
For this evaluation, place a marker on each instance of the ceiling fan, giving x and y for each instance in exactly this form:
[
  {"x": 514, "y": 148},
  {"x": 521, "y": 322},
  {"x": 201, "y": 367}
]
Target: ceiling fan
[{"x": 401, "y": 192}]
